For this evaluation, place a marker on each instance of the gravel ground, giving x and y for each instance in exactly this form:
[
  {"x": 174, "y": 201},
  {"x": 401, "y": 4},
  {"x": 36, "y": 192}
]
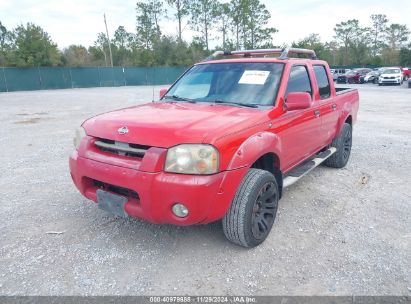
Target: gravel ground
[{"x": 338, "y": 232}]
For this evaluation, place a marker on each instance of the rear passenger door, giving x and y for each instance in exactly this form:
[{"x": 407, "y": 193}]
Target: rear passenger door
[{"x": 328, "y": 106}]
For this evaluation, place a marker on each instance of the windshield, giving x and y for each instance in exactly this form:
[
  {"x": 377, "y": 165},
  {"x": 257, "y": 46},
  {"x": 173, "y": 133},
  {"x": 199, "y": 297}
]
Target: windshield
[
  {"x": 392, "y": 71},
  {"x": 240, "y": 83}
]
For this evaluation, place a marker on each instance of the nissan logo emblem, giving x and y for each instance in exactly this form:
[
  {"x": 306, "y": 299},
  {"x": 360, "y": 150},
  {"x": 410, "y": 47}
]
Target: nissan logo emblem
[{"x": 122, "y": 130}]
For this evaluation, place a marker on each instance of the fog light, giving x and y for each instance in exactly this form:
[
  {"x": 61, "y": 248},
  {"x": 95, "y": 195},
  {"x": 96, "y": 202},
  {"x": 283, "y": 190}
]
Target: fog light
[{"x": 180, "y": 210}]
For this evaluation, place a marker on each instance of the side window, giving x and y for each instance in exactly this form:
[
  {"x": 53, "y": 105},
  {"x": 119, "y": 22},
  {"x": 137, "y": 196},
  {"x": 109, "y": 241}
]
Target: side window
[
  {"x": 322, "y": 80},
  {"x": 299, "y": 80}
]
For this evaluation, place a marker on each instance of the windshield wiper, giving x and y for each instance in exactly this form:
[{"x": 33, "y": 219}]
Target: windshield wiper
[
  {"x": 249, "y": 105},
  {"x": 179, "y": 98}
]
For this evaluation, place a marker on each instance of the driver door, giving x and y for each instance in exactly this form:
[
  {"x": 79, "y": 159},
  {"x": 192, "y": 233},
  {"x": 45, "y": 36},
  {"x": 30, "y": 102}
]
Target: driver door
[{"x": 300, "y": 134}]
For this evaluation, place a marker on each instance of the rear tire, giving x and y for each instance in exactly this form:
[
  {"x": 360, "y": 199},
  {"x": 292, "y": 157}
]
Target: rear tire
[
  {"x": 252, "y": 213},
  {"x": 342, "y": 143}
]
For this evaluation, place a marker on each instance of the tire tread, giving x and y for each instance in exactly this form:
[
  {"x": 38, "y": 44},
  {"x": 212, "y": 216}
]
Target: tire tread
[
  {"x": 336, "y": 160},
  {"x": 233, "y": 223}
]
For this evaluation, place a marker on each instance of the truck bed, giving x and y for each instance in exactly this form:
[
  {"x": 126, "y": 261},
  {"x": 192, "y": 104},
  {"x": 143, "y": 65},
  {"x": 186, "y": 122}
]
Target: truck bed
[{"x": 339, "y": 91}]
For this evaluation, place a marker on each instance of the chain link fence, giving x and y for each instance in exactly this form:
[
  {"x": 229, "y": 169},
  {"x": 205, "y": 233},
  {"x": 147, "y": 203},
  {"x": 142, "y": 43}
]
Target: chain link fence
[{"x": 46, "y": 78}]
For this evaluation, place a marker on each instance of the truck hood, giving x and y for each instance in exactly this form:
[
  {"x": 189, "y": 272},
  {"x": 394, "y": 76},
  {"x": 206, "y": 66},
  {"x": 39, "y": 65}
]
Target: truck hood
[{"x": 167, "y": 124}]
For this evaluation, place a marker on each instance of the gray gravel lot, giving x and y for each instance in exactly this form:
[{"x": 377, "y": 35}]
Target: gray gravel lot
[{"x": 338, "y": 232}]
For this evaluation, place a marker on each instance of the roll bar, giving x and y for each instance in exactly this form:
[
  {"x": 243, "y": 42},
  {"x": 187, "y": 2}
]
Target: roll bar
[{"x": 284, "y": 53}]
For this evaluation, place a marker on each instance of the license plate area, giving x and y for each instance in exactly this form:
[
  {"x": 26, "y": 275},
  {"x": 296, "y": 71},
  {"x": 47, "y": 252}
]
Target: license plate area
[{"x": 111, "y": 203}]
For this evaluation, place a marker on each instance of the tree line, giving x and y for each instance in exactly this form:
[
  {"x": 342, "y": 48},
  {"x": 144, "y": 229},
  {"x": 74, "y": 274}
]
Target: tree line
[{"x": 238, "y": 24}]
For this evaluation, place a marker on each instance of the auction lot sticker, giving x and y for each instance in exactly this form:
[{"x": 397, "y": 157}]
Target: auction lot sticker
[{"x": 254, "y": 77}]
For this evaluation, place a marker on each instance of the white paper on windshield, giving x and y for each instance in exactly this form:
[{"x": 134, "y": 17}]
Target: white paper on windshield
[{"x": 254, "y": 77}]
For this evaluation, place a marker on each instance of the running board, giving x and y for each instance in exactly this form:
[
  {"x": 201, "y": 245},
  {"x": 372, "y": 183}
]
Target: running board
[{"x": 298, "y": 172}]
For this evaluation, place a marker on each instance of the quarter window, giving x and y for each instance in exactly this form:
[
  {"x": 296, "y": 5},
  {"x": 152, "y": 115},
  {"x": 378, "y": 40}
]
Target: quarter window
[{"x": 322, "y": 80}]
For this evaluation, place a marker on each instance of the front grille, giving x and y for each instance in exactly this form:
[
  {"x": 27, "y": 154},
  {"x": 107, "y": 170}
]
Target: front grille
[
  {"x": 389, "y": 77},
  {"x": 121, "y": 148},
  {"x": 116, "y": 189}
]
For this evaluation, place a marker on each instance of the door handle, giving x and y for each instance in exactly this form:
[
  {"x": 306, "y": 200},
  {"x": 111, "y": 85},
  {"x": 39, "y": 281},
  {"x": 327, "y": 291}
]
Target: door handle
[
  {"x": 334, "y": 106},
  {"x": 317, "y": 113}
]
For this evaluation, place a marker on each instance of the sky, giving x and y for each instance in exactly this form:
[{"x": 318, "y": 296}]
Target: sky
[{"x": 79, "y": 21}]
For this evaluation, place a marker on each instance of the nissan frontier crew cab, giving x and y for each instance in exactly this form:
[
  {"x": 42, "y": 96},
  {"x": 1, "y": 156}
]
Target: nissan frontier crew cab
[{"x": 221, "y": 144}]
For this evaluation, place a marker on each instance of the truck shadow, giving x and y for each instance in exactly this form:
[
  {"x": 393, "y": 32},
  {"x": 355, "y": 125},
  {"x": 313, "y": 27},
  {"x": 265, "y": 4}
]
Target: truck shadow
[{"x": 134, "y": 231}]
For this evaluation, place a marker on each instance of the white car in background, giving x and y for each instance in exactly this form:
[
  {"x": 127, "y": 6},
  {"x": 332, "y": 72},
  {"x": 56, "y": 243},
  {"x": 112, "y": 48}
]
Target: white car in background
[
  {"x": 338, "y": 72},
  {"x": 390, "y": 76}
]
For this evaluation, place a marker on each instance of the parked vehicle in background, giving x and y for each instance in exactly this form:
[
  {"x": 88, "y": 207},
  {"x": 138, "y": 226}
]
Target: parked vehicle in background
[
  {"x": 406, "y": 73},
  {"x": 353, "y": 76},
  {"x": 391, "y": 76},
  {"x": 339, "y": 72},
  {"x": 221, "y": 144},
  {"x": 371, "y": 76}
]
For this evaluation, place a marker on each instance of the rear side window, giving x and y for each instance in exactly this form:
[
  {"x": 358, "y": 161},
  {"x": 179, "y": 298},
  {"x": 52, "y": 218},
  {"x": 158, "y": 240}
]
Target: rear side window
[
  {"x": 299, "y": 80},
  {"x": 322, "y": 80}
]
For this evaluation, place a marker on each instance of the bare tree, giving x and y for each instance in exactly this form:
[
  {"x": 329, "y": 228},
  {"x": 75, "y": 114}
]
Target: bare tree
[
  {"x": 379, "y": 26},
  {"x": 182, "y": 10}
]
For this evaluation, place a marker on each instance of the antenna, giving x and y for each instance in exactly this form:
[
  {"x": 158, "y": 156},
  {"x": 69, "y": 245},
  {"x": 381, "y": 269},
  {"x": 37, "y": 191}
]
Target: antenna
[{"x": 109, "y": 42}]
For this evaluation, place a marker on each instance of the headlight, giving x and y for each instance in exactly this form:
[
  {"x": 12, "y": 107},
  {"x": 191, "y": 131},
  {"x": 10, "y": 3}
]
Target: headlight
[
  {"x": 79, "y": 134},
  {"x": 192, "y": 159}
]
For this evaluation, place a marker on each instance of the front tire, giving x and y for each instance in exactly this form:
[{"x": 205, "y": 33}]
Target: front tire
[
  {"x": 253, "y": 210},
  {"x": 342, "y": 143}
]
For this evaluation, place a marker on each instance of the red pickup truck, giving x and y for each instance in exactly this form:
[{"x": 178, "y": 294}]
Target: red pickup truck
[{"x": 222, "y": 143}]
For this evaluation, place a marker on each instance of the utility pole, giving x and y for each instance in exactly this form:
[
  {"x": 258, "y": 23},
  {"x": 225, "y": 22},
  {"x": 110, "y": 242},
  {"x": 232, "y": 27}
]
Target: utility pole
[{"x": 109, "y": 42}]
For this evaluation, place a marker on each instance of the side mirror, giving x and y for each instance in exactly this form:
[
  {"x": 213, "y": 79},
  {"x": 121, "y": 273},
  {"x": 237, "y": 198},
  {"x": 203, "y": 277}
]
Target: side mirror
[
  {"x": 163, "y": 92},
  {"x": 298, "y": 101}
]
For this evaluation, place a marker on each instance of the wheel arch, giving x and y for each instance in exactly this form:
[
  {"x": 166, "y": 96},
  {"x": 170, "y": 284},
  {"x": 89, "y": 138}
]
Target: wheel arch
[
  {"x": 346, "y": 118},
  {"x": 260, "y": 151},
  {"x": 270, "y": 162}
]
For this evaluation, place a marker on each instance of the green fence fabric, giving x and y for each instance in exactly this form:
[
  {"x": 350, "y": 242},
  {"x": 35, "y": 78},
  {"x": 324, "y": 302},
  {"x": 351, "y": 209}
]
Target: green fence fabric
[
  {"x": 369, "y": 66},
  {"x": 136, "y": 76},
  {"x": 85, "y": 77},
  {"x": 20, "y": 79},
  {"x": 112, "y": 77},
  {"x": 45, "y": 78},
  {"x": 55, "y": 78},
  {"x": 3, "y": 84}
]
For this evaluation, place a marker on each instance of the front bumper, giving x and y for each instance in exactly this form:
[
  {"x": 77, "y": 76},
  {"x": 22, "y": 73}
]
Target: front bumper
[
  {"x": 392, "y": 81},
  {"x": 207, "y": 197}
]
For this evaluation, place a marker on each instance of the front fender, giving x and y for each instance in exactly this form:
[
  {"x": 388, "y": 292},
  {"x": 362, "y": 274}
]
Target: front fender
[
  {"x": 250, "y": 150},
  {"x": 253, "y": 148}
]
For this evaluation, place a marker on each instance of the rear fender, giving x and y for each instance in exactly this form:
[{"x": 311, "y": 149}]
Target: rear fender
[{"x": 348, "y": 109}]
